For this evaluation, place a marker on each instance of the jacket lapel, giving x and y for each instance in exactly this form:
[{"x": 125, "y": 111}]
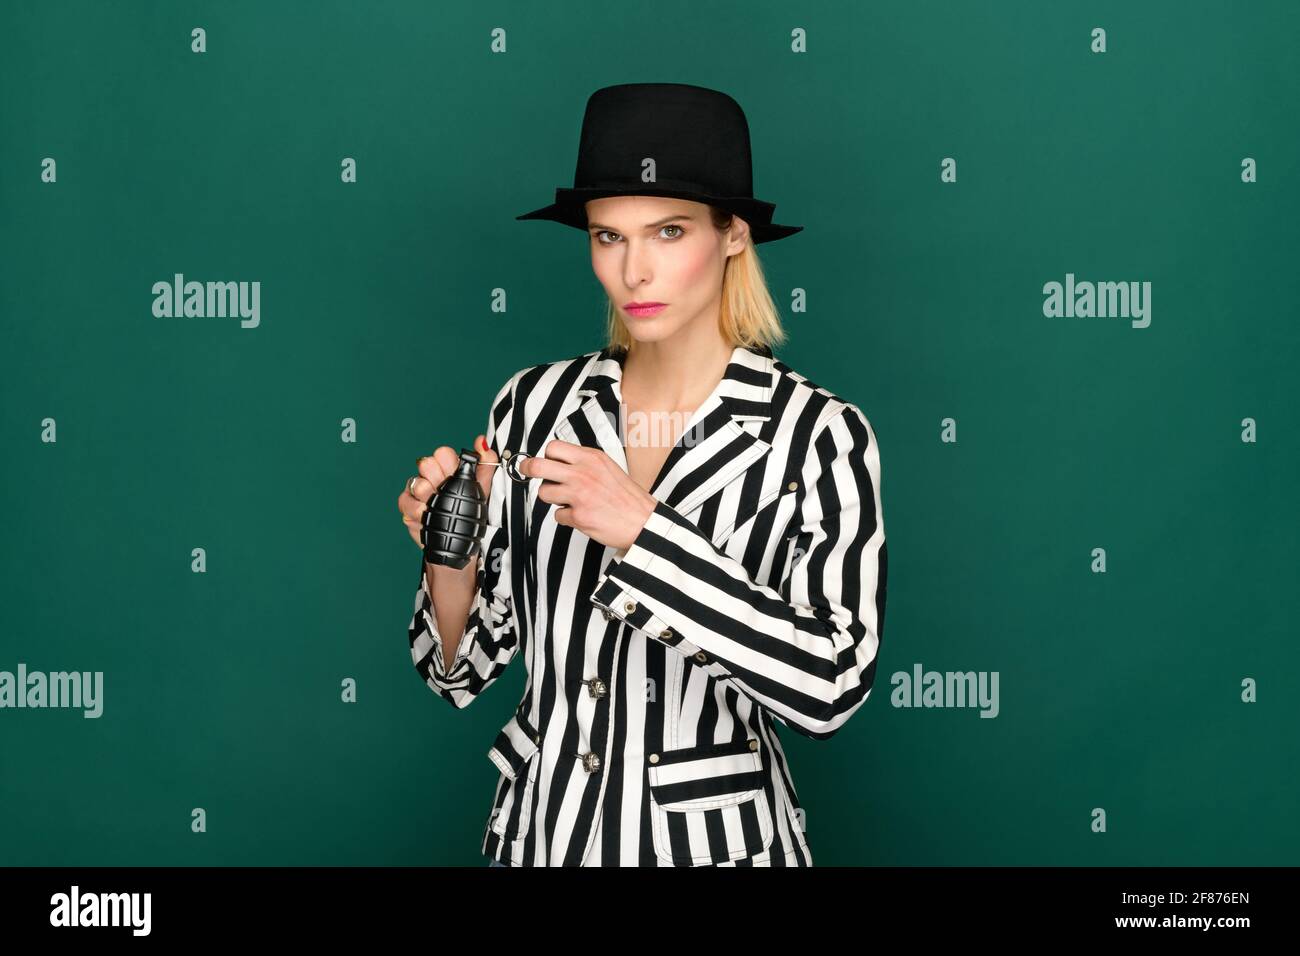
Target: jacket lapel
[{"x": 719, "y": 444}]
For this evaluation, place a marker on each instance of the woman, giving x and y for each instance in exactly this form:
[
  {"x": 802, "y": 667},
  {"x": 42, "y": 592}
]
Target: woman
[{"x": 673, "y": 588}]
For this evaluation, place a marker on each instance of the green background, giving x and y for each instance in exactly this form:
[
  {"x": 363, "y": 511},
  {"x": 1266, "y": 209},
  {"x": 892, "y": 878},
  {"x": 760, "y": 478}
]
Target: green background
[{"x": 222, "y": 690}]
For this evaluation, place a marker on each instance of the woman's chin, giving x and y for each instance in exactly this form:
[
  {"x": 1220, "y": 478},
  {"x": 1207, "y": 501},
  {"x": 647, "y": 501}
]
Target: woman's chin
[{"x": 653, "y": 329}]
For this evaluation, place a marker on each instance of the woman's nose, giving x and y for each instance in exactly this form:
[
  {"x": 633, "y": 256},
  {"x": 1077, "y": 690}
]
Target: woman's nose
[{"x": 636, "y": 266}]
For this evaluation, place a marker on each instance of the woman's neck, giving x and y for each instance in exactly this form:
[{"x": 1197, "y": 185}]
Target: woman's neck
[{"x": 672, "y": 377}]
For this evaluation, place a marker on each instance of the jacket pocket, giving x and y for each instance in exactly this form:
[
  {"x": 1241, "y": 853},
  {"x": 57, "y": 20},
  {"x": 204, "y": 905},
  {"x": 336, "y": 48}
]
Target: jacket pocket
[
  {"x": 514, "y": 753},
  {"x": 778, "y": 503},
  {"x": 709, "y": 804}
]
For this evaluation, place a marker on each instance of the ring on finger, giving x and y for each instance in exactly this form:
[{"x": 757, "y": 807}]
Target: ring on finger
[
  {"x": 513, "y": 463},
  {"x": 410, "y": 485}
]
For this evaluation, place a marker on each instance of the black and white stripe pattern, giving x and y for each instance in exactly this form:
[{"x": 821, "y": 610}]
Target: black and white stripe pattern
[{"x": 755, "y": 592}]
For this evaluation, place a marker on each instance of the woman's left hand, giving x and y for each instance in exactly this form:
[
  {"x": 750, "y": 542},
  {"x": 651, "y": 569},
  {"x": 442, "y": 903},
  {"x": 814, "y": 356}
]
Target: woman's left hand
[{"x": 598, "y": 497}]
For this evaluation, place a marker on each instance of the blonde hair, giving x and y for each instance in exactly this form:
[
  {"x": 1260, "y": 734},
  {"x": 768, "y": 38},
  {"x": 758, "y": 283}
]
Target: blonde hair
[{"x": 748, "y": 315}]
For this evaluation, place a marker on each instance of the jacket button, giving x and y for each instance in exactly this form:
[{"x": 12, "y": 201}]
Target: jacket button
[
  {"x": 630, "y": 606},
  {"x": 701, "y": 657},
  {"x": 753, "y": 745},
  {"x": 596, "y": 687},
  {"x": 591, "y": 762},
  {"x": 793, "y": 486},
  {"x": 654, "y": 758},
  {"x": 667, "y": 633}
]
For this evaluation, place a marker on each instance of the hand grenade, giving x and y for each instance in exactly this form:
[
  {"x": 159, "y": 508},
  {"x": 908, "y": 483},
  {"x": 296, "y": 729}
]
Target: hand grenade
[{"x": 456, "y": 516}]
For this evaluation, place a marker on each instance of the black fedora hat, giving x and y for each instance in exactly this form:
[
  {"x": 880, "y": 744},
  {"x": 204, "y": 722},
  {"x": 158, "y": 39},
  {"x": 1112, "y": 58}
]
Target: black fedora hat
[{"x": 697, "y": 142}]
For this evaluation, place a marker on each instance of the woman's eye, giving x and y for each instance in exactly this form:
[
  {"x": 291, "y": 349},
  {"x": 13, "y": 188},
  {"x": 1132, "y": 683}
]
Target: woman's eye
[{"x": 601, "y": 233}]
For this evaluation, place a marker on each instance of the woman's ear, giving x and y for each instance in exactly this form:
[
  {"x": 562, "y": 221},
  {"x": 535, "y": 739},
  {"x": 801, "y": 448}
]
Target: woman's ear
[{"x": 738, "y": 238}]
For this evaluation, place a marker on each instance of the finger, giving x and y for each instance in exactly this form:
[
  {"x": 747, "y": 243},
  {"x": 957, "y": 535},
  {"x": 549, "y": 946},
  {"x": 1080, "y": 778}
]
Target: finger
[
  {"x": 548, "y": 470},
  {"x": 416, "y": 497},
  {"x": 448, "y": 460},
  {"x": 433, "y": 468},
  {"x": 412, "y": 518},
  {"x": 414, "y": 528},
  {"x": 487, "y": 459},
  {"x": 559, "y": 450},
  {"x": 431, "y": 473},
  {"x": 412, "y": 510},
  {"x": 557, "y": 493}
]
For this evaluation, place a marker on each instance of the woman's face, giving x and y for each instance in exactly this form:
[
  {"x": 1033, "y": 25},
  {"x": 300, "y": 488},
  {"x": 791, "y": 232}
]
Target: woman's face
[{"x": 661, "y": 252}]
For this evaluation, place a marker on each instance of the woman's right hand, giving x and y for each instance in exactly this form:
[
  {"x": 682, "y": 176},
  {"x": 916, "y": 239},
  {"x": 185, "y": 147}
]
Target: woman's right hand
[{"x": 433, "y": 471}]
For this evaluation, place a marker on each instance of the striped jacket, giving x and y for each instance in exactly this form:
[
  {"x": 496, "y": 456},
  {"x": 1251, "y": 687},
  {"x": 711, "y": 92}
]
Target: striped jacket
[{"x": 755, "y": 592}]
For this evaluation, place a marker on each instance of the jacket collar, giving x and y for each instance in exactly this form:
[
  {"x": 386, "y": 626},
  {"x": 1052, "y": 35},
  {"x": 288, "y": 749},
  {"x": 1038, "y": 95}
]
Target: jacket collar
[
  {"x": 720, "y": 441},
  {"x": 745, "y": 388}
]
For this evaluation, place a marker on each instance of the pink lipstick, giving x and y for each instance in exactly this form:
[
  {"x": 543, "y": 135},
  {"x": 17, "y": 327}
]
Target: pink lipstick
[{"x": 643, "y": 310}]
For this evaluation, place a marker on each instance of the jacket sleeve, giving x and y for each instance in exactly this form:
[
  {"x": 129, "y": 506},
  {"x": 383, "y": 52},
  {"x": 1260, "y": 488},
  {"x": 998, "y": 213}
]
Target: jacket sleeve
[
  {"x": 490, "y": 640},
  {"x": 805, "y": 651}
]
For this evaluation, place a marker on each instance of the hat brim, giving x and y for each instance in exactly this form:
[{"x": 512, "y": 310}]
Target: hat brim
[{"x": 569, "y": 208}]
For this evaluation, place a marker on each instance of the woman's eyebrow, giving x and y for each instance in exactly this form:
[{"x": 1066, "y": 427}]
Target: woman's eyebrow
[{"x": 651, "y": 225}]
